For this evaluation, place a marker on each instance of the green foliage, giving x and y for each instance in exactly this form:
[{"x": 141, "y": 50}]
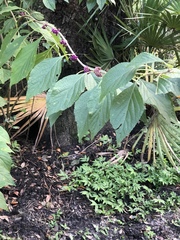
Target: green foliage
[
  {"x": 120, "y": 95},
  {"x": 150, "y": 26},
  {"x": 5, "y": 165},
  {"x": 47, "y": 73},
  {"x": 101, "y": 54},
  {"x": 123, "y": 187},
  {"x": 50, "y": 4},
  {"x": 26, "y": 48}
]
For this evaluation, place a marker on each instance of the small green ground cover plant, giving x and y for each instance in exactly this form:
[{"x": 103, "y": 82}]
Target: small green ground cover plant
[{"x": 125, "y": 187}]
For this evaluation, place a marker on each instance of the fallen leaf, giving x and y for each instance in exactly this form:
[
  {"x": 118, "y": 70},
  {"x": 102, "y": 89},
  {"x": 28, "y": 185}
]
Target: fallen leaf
[
  {"x": 4, "y": 218},
  {"x": 23, "y": 165},
  {"x": 48, "y": 197}
]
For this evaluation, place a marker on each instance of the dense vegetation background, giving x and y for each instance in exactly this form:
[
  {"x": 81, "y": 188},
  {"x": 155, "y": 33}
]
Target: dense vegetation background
[{"x": 71, "y": 68}]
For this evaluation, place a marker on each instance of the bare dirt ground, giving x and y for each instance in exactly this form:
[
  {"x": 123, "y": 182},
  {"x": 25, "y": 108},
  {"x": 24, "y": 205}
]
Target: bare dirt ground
[{"x": 39, "y": 209}]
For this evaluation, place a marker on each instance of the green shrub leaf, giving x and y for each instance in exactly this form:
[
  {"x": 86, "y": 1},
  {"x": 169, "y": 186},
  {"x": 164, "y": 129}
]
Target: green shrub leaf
[
  {"x": 126, "y": 110},
  {"x": 82, "y": 114},
  {"x": 117, "y": 77},
  {"x": 43, "y": 76},
  {"x": 161, "y": 102},
  {"x": 168, "y": 85},
  {"x": 101, "y": 3},
  {"x": 8, "y": 9},
  {"x": 5, "y": 177},
  {"x": 2, "y": 102},
  {"x": 4, "y": 137},
  {"x": 64, "y": 93},
  {"x": 24, "y": 62},
  {"x": 10, "y": 49},
  {"x": 50, "y": 4},
  {"x": 144, "y": 58},
  {"x": 122, "y": 73},
  {"x": 5, "y": 165},
  {"x": 5, "y": 160},
  {"x": 3, "y": 202}
]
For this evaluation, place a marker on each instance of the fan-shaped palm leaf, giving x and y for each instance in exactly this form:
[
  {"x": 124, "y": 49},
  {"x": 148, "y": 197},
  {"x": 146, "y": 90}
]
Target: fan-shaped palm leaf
[{"x": 28, "y": 113}]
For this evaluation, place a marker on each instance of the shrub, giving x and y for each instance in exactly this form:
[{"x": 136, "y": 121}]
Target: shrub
[{"x": 123, "y": 187}]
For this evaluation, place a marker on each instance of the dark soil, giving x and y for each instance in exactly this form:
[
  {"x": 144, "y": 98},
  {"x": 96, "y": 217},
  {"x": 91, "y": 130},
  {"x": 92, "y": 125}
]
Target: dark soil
[{"x": 40, "y": 209}]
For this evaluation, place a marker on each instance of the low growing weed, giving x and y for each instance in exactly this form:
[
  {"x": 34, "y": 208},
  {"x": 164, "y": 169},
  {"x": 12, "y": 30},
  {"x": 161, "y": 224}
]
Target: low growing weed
[{"x": 123, "y": 187}]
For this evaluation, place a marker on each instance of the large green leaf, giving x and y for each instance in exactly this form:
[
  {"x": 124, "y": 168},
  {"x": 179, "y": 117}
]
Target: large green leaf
[
  {"x": 2, "y": 102},
  {"x": 4, "y": 75},
  {"x": 122, "y": 73},
  {"x": 64, "y": 93},
  {"x": 24, "y": 62},
  {"x": 144, "y": 58},
  {"x": 82, "y": 114},
  {"x": 5, "y": 177},
  {"x": 10, "y": 49},
  {"x": 38, "y": 28},
  {"x": 161, "y": 102},
  {"x": 90, "y": 4},
  {"x": 166, "y": 85},
  {"x": 126, "y": 110},
  {"x": 53, "y": 117},
  {"x": 90, "y": 81},
  {"x": 99, "y": 112},
  {"x": 43, "y": 76},
  {"x": 90, "y": 114},
  {"x": 8, "y": 39},
  {"x": 5, "y": 160},
  {"x": 4, "y": 147},
  {"x": 2, "y": 202},
  {"x": 50, "y": 4},
  {"x": 101, "y": 3},
  {"x": 8, "y": 9},
  {"x": 5, "y": 165},
  {"x": 117, "y": 77},
  {"x": 4, "y": 137}
]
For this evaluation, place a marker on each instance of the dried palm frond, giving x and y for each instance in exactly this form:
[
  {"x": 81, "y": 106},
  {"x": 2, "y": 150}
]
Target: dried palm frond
[
  {"x": 161, "y": 141},
  {"x": 29, "y": 111}
]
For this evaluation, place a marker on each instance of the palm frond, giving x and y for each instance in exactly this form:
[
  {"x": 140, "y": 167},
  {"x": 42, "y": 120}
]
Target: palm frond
[
  {"x": 161, "y": 141},
  {"x": 27, "y": 113}
]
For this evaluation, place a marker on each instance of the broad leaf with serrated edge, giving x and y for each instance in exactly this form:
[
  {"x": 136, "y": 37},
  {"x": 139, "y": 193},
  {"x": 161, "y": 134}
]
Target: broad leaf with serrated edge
[
  {"x": 24, "y": 62},
  {"x": 64, "y": 93},
  {"x": 161, "y": 102},
  {"x": 126, "y": 110},
  {"x": 122, "y": 73},
  {"x": 117, "y": 77},
  {"x": 144, "y": 58},
  {"x": 43, "y": 76}
]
